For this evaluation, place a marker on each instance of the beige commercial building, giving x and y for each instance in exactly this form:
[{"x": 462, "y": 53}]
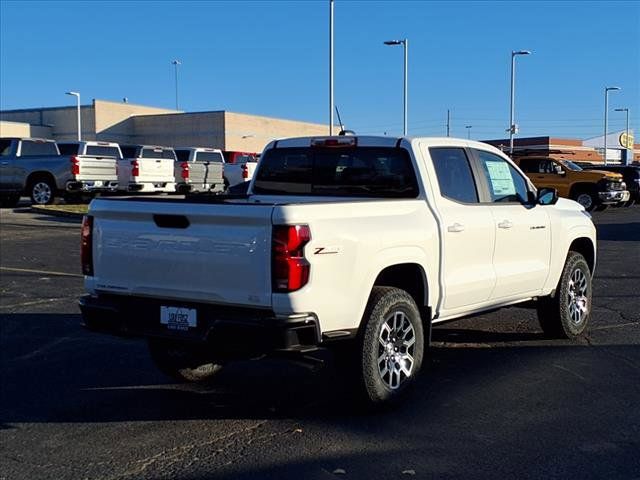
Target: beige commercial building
[{"x": 138, "y": 124}]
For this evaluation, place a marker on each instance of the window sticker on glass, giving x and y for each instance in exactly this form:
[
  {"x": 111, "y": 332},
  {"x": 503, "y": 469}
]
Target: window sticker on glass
[{"x": 501, "y": 180}]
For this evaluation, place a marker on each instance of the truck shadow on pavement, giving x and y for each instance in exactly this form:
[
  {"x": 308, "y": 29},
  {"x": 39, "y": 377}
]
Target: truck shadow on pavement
[{"x": 52, "y": 371}]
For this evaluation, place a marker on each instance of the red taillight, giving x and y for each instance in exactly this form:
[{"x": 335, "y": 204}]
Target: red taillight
[
  {"x": 185, "y": 170},
  {"x": 289, "y": 269},
  {"x": 135, "y": 168},
  {"x": 86, "y": 245},
  {"x": 245, "y": 171},
  {"x": 75, "y": 165}
]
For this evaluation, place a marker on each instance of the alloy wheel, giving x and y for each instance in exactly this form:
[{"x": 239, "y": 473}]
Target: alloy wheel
[{"x": 396, "y": 343}]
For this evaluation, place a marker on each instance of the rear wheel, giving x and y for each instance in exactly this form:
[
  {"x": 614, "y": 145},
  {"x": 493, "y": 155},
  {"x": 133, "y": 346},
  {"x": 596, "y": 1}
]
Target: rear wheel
[
  {"x": 42, "y": 191},
  {"x": 181, "y": 362},
  {"x": 567, "y": 314},
  {"x": 391, "y": 346}
]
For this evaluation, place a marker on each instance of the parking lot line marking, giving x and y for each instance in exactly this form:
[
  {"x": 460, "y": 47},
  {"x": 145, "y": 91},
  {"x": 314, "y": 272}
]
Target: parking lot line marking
[
  {"x": 35, "y": 302},
  {"x": 41, "y": 272}
]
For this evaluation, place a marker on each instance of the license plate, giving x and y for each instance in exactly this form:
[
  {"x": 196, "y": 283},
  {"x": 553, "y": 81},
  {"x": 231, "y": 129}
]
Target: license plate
[{"x": 177, "y": 318}]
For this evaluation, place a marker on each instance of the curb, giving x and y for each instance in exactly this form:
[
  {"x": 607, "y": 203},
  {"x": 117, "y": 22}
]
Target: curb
[{"x": 56, "y": 213}]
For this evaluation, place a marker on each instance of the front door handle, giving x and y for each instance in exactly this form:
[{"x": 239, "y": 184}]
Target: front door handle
[
  {"x": 455, "y": 228},
  {"x": 505, "y": 224}
]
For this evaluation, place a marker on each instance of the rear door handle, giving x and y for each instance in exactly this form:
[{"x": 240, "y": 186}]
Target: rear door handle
[
  {"x": 455, "y": 228},
  {"x": 505, "y": 224}
]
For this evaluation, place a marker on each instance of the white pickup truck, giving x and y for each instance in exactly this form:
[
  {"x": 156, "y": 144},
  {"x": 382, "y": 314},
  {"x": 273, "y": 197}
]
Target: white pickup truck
[
  {"x": 363, "y": 242},
  {"x": 146, "y": 168}
]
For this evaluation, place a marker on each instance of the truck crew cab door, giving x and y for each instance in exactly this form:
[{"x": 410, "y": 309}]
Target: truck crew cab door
[
  {"x": 467, "y": 230},
  {"x": 523, "y": 234}
]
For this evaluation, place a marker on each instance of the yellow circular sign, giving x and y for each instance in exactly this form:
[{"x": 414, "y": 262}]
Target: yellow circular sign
[{"x": 626, "y": 140}]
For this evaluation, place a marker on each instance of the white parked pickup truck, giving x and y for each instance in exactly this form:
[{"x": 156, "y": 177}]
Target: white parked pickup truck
[
  {"x": 146, "y": 168},
  {"x": 199, "y": 169},
  {"x": 93, "y": 165},
  {"x": 358, "y": 242}
]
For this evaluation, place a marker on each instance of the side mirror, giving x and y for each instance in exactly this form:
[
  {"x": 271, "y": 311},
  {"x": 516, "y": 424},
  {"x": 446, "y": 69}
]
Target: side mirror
[{"x": 547, "y": 196}]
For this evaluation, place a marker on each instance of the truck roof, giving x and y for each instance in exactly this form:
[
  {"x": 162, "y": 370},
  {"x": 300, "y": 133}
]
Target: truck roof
[{"x": 380, "y": 141}]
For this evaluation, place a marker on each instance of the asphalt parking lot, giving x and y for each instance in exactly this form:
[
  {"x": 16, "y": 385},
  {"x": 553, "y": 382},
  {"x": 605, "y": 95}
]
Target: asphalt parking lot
[{"x": 496, "y": 399}]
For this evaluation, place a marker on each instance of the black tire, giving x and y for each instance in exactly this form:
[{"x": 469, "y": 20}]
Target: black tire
[
  {"x": 602, "y": 208},
  {"x": 9, "y": 201},
  {"x": 557, "y": 317},
  {"x": 386, "y": 305},
  {"x": 181, "y": 362},
  {"x": 587, "y": 198},
  {"x": 42, "y": 191}
]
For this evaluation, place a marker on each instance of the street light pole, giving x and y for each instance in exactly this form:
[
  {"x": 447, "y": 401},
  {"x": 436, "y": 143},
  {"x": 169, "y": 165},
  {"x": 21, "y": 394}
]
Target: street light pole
[
  {"x": 606, "y": 117},
  {"x": 331, "y": 99},
  {"x": 468, "y": 127},
  {"x": 405, "y": 44},
  {"x": 77, "y": 95},
  {"x": 176, "y": 63},
  {"x": 512, "y": 126}
]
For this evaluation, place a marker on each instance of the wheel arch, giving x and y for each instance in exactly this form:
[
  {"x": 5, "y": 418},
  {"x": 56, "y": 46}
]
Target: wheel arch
[
  {"x": 585, "y": 247},
  {"x": 581, "y": 187},
  {"x": 40, "y": 174},
  {"x": 410, "y": 277}
]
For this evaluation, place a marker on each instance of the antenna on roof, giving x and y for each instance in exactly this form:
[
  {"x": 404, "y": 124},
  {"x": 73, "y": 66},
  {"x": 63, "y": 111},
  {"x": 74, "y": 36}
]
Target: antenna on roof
[{"x": 343, "y": 131}]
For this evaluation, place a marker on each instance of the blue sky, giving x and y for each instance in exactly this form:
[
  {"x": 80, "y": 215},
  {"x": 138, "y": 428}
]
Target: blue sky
[{"x": 271, "y": 58}]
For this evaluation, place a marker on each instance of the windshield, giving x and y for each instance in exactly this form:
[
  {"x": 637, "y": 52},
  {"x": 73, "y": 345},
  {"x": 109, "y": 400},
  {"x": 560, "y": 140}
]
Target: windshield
[
  {"x": 571, "y": 166},
  {"x": 363, "y": 171}
]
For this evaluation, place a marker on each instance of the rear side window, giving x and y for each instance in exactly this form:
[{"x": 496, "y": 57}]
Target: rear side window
[
  {"x": 364, "y": 171},
  {"x": 34, "y": 148},
  {"x": 182, "y": 155},
  {"x": 454, "y": 174},
  {"x": 68, "y": 148},
  {"x": 158, "y": 153},
  {"x": 529, "y": 166},
  {"x": 213, "y": 157},
  {"x": 102, "y": 151}
]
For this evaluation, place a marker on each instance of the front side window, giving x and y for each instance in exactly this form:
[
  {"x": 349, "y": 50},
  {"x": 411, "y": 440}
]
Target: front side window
[
  {"x": 504, "y": 181},
  {"x": 454, "y": 174}
]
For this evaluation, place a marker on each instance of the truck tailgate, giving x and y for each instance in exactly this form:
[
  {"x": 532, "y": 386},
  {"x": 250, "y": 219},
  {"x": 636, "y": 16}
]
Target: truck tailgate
[
  {"x": 97, "y": 168},
  {"x": 217, "y": 253},
  {"x": 156, "y": 170}
]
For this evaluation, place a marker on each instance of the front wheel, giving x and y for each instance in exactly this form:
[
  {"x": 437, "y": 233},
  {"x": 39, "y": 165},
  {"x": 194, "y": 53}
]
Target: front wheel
[
  {"x": 391, "y": 346},
  {"x": 181, "y": 362},
  {"x": 567, "y": 314},
  {"x": 588, "y": 200}
]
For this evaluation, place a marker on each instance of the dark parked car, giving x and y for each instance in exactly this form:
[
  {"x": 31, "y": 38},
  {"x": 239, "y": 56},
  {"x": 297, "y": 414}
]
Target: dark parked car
[{"x": 630, "y": 175}]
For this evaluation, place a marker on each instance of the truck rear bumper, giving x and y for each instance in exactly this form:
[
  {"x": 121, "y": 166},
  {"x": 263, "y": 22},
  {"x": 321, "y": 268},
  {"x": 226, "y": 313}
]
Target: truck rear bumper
[
  {"x": 92, "y": 186},
  {"x": 231, "y": 332}
]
